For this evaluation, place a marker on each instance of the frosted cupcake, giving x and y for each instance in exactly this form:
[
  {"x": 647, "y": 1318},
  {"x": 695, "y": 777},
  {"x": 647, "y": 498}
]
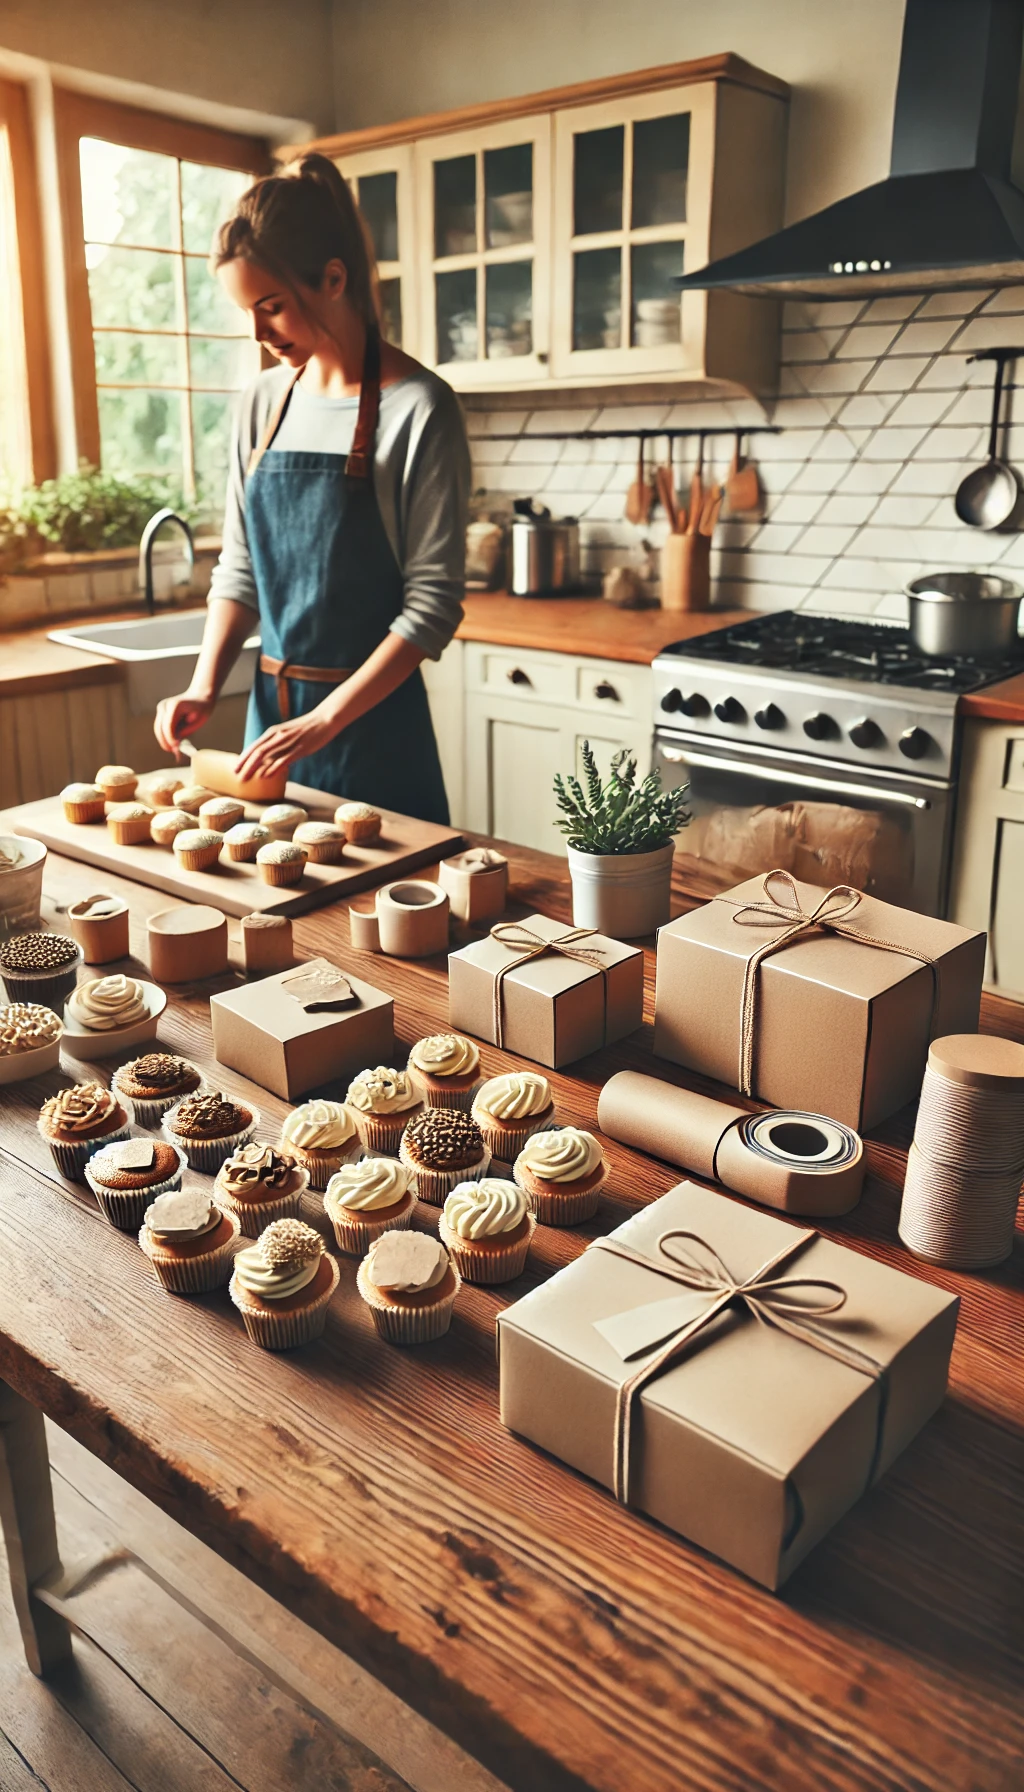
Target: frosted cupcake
[
  {"x": 154, "y": 1082},
  {"x": 561, "y": 1175},
  {"x": 189, "y": 1241},
  {"x": 83, "y": 803},
  {"x": 209, "y": 1128},
  {"x": 80, "y": 1120},
  {"x": 358, "y": 822},
  {"x": 321, "y": 1136},
  {"x": 117, "y": 782},
  {"x": 409, "y": 1285},
  {"x": 283, "y": 818},
  {"x": 128, "y": 823},
  {"x": 443, "y": 1147},
  {"x": 363, "y": 1200},
  {"x": 243, "y": 841},
  {"x": 259, "y": 1185},
  {"x": 382, "y": 1103},
  {"x": 127, "y": 1176},
  {"x": 167, "y": 824},
  {"x": 282, "y": 1285},
  {"x": 511, "y": 1107},
  {"x": 486, "y": 1228},
  {"x": 446, "y": 1068}
]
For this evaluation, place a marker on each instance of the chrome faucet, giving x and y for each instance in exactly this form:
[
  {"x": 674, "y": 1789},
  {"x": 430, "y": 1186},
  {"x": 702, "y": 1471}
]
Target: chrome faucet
[{"x": 149, "y": 534}]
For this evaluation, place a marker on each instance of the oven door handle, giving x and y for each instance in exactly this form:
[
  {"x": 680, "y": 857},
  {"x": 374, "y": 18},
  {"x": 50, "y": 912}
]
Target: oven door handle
[{"x": 831, "y": 787}]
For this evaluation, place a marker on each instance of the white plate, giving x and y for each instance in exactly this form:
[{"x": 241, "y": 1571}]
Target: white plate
[
  {"x": 17, "y": 1067},
  {"x": 78, "y": 1043}
]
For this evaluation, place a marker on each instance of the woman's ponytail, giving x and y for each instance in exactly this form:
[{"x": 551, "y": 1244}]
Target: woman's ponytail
[{"x": 297, "y": 221}]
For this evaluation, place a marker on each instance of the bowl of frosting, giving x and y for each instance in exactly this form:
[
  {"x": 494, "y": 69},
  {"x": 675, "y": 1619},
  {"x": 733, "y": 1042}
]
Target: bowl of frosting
[
  {"x": 104, "y": 1015},
  {"x": 30, "y": 1037}
]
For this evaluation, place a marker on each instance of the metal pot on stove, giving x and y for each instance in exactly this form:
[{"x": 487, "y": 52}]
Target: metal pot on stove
[
  {"x": 965, "y": 612},
  {"x": 545, "y": 553}
]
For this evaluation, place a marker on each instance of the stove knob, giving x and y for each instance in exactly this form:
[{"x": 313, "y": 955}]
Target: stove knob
[
  {"x": 730, "y": 710},
  {"x": 672, "y": 700},
  {"x": 695, "y": 705},
  {"x": 819, "y": 726},
  {"x": 865, "y": 732},
  {"x": 914, "y": 743},
  {"x": 770, "y": 716}
]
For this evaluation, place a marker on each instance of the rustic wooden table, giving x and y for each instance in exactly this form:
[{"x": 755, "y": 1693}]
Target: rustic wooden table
[{"x": 565, "y": 1642}]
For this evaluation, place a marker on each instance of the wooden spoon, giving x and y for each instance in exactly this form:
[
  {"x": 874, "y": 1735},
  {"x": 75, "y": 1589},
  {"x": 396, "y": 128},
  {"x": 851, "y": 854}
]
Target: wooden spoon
[
  {"x": 710, "y": 512},
  {"x": 640, "y": 496},
  {"x": 697, "y": 490},
  {"x": 742, "y": 487},
  {"x": 667, "y": 494}
]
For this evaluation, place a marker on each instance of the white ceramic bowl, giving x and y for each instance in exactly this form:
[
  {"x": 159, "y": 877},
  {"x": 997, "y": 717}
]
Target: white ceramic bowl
[
  {"x": 18, "y": 1067},
  {"x": 79, "y": 1043}
]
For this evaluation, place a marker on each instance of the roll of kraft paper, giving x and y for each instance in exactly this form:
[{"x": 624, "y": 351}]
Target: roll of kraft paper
[
  {"x": 412, "y": 918},
  {"x": 793, "y": 1162}
]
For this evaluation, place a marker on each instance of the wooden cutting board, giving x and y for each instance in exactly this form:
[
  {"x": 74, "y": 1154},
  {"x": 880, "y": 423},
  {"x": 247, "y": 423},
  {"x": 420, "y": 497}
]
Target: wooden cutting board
[{"x": 403, "y": 845}]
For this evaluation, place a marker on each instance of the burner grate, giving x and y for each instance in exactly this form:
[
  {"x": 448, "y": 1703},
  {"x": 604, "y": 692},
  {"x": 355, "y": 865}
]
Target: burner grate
[{"x": 835, "y": 647}]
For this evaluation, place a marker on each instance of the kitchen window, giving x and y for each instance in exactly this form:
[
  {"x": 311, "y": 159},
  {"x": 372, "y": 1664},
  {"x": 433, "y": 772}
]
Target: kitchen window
[{"x": 159, "y": 353}]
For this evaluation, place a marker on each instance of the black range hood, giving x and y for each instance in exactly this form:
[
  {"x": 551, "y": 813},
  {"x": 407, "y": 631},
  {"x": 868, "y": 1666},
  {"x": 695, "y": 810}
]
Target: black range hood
[{"x": 949, "y": 215}]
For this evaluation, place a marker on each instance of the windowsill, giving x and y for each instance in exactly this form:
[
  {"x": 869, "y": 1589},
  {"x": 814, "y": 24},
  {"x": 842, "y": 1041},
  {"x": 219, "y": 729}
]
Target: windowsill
[
  {"x": 67, "y": 587},
  {"x": 99, "y": 559}
]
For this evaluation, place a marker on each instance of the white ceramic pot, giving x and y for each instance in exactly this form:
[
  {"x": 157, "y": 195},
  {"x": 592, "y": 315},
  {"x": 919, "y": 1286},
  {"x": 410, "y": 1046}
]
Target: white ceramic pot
[
  {"x": 21, "y": 886},
  {"x": 621, "y": 894}
]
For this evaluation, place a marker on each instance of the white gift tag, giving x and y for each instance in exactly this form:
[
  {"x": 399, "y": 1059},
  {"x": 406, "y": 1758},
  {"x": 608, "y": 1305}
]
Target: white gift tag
[
  {"x": 640, "y": 1329},
  {"x": 131, "y": 1154}
]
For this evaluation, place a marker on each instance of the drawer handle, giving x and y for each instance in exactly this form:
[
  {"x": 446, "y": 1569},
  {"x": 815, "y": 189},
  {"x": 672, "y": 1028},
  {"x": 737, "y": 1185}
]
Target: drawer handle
[
  {"x": 604, "y": 689},
  {"x": 516, "y": 675}
]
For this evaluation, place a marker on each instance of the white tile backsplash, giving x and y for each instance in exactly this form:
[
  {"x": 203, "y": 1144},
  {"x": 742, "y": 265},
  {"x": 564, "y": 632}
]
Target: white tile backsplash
[{"x": 880, "y": 417}]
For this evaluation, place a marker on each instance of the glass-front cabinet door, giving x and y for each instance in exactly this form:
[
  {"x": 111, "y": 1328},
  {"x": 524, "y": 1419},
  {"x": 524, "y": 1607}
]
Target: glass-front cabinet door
[
  {"x": 383, "y": 184},
  {"x": 631, "y": 210},
  {"x": 483, "y": 202}
]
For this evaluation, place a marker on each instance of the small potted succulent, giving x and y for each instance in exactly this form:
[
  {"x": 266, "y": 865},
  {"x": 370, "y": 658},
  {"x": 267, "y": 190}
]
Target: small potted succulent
[{"x": 619, "y": 836}]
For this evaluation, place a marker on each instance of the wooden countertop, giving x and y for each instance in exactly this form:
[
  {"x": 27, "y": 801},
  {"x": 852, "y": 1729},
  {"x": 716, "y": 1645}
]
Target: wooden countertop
[
  {"x": 568, "y": 1643},
  {"x": 1003, "y": 702},
  {"x": 30, "y": 664},
  {"x": 583, "y": 625}
]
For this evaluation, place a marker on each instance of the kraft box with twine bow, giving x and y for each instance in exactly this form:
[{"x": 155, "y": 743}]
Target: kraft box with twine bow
[
  {"x": 824, "y": 1000},
  {"x": 739, "y": 1379},
  {"x": 547, "y": 991}
]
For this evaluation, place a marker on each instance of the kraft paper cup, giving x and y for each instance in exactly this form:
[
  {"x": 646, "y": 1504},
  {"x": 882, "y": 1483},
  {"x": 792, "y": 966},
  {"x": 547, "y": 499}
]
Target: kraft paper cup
[
  {"x": 286, "y": 1330},
  {"x": 407, "y": 1324},
  {"x": 125, "y": 1208},
  {"x": 499, "y": 1263},
  {"x": 412, "y": 918},
  {"x": 207, "y": 1155},
  {"x": 193, "y": 1275}
]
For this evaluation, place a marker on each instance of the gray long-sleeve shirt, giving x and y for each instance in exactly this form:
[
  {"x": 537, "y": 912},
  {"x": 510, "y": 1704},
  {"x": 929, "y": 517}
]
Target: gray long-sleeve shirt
[{"x": 421, "y": 478}]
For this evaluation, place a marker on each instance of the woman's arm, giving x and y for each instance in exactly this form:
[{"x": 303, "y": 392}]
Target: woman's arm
[
  {"x": 227, "y": 625},
  {"x": 388, "y": 666}
]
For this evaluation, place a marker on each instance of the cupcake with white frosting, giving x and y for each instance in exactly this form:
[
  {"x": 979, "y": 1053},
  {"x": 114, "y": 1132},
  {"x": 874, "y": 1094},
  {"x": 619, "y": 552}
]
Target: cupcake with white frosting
[
  {"x": 409, "y": 1284},
  {"x": 446, "y": 1069},
  {"x": 189, "y": 1241},
  {"x": 382, "y": 1103},
  {"x": 561, "y": 1174},
  {"x": 486, "y": 1228},
  {"x": 83, "y": 803},
  {"x": 364, "y": 1199},
  {"x": 321, "y": 1136},
  {"x": 358, "y": 821},
  {"x": 282, "y": 1285},
  {"x": 509, "y": 1108}
]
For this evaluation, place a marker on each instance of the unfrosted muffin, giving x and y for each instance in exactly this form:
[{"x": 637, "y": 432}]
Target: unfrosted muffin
[
  {"x": 209, "y": 1128},
  {"x": 364, "y": 1199},
  {"x": 191, "y": 797},
  {"x": 166, "y": 824},
  {"x": 125, "y": 1177},
  {"x": 243, "y": 841},
  {"x": 486, "y": 1228},
  {"x": 359, "y": 821},
  {"x": 509, "y": 1108},
  {"x": 443, "y": 1147},
  {"x": 281, "y": 862},
  {"x": 561, "y": 1174},
  {"x": 117, "y": 782},
  {"x": 197, "y": 849},
  {"x": 324, "y": 843},
  {"x": 189, "y": 1241},
  {"x": 446, "y": 1068},
  {"x": 83, "y": 802},
  {"x": 155, "y": 1082},
  {"x": 259, "y": 1185},
  {"x": 283, "y": 818},
  {"x": 383, "y": 1102},
  {"x": 321, "y": 1136},
  {"x": 282, "y": 1285},
  {"x": 409, "y": 1285},
  {"x": 160, "y": 788},
  {"x": 128, "y": 823},
  {"x": 221, "y": 813},
  {"x": 78, "y": 1121}
]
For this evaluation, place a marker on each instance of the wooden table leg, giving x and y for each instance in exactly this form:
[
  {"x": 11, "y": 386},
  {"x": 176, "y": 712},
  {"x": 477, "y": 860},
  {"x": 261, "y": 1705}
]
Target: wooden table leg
[{"x": 29, "y": 1529}]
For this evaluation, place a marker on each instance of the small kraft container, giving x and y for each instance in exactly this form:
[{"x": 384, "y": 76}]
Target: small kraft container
[{"x": 100, "y": 925}]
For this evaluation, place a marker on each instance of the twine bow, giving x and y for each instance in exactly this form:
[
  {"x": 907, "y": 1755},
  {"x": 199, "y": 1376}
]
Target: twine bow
[
  {"x": 527, "y": 944},
  {"x": 830, "y": 913},
  {"x": 790, "y": 1304}
]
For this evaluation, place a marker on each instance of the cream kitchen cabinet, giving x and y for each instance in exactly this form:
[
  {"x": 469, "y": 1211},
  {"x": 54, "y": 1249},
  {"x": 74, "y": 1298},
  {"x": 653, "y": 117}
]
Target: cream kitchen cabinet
[
  {"x": 988, "y": 861},
  {"x": 533, "y": 244}
]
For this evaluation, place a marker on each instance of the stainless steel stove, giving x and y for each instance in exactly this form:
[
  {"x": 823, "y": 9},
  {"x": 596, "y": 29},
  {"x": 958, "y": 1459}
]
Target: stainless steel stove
[{"x": 826, "y": 746}]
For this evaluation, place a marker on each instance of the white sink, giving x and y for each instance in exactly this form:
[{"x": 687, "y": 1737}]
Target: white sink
[{"x": 159, "y": 653}]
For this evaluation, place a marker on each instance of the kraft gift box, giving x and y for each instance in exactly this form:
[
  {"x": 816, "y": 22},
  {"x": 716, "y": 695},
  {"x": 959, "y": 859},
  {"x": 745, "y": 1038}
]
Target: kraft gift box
[
  {"x": 274, "y": 1040},
  {"x": 751, "y": 1441},
  {"x": 554, "y": 1006},
  {"x": 839, "y": 1026}
]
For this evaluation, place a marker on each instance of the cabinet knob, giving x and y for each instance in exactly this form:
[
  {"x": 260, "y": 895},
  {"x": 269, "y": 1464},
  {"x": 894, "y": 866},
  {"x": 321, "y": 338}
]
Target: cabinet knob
[
  {"x": 516, "y": 675},
  {"x": 604, "y": 689}
]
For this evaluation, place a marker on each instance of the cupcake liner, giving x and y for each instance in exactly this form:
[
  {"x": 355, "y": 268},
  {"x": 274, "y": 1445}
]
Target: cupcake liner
[
  {"x": 194, "y": 1275},
  {"x": 200, "y": 858},
  {"x": 150, "y": 1111},
  {"x": 487, "y": 1267},
  {"x": 325, "y": 852},
  {"x": 435, "y": 1186},
  {"x": 437, "y": 1094},
  {"x": 570, "y": 1208},
  {"x": 72, "y": 1155},
  {"x": 207, "y": 1155},
  {"x": 290, "y": 872},
  {"x": 407, "y": 1325},
  {"x": 80, "y": 813},
  {"x": 125, "y": 1208},
  {"x": 321, "y": 1170},
  {"x": 129, "y": 833},
  {"x": 283, "y": 1331},
  {"x": 49, "y": 989},
  {"x": 382, "y": 1133},
  {"x": 355, "y": 1232},
  {"x": 509, "y": 1139},
  {"x": 255, "y": 1216},
  {"x": 242, "y": 852}
]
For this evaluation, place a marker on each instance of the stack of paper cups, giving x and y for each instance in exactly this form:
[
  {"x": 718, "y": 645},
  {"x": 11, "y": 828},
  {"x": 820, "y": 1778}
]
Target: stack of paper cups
[{"x": 966, "y": 1164}]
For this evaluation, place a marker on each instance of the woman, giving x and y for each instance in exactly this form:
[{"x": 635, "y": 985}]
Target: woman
[{"x": 346, "y": 514}]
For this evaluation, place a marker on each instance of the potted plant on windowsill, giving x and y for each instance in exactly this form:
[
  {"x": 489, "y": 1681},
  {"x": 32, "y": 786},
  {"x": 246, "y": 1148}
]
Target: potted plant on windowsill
[{"x": 619, "y": 837}]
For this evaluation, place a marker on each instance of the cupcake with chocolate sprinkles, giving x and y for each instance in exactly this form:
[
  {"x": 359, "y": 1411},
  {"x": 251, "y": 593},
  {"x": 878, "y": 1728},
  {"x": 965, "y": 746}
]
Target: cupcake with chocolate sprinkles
[
  {"x": 209, "y": 1128},
  {"x": 443, "y": 1147},
  {"x": 40, "y": 967},
  {"x": 154, "y": 1082}
]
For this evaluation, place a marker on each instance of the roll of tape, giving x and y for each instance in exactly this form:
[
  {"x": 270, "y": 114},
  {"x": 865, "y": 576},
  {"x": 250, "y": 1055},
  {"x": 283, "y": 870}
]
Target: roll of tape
[{"x": 412, "y": 917}]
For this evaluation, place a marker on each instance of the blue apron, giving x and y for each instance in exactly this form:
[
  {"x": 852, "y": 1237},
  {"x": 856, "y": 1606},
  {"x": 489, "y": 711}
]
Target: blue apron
[{"x": 329, "y": 588}]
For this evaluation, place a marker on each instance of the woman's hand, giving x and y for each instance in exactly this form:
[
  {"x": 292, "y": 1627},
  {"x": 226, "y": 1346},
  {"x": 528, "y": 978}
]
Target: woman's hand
[
  {"x": 286, "y": 742},
  {"x": 178, "y": 717}
]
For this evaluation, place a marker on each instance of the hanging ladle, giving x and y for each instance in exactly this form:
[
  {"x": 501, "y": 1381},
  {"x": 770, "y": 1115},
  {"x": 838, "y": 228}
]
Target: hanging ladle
[{"x": 988, "y": 496}]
